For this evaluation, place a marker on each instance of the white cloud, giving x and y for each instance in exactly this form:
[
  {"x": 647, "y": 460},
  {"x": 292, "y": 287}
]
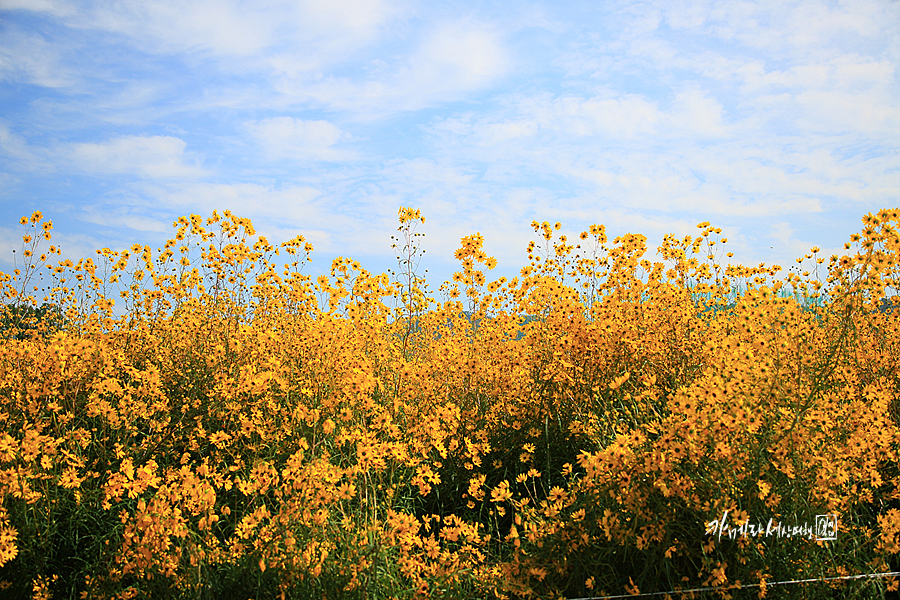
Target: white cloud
[
  {"x": 611, "y": 116},
  {"x": 419, "y": 172},
  {"x": 624, "y": 116},
  {"x": 121, "y": 216},
  {"x": 687, "y": 14},
  {"x": 232, "y": 28},
  {"x": 462, "y": 55},
  {"x": 841, "y": 112},
  {"x": 158, "y": 157},
  {"x": 286, "y": 137},
  {"x": 453, "y": 60},
  {"x": 12, "y": 145},
  {"x": 778, "y": 26},
  {"x": 292, "y": 46},
  {"x": 21, "y": 158},
  {"x": 7, "y": 181},
  {"x": 620, "y": 116},
  {"x": 786, "y": 243},
  {"x": 220, "y": 28},
  {"x": 687, "y": 159},
  {"x": 31, "y": 59},
  {"x": 57, "y": 8},
  {"x": 290, "y": 203},
  {"x": 696, "y": 113}
]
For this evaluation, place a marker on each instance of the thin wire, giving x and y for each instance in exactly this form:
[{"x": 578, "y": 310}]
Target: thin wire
[{"x": 740, "y": 587}]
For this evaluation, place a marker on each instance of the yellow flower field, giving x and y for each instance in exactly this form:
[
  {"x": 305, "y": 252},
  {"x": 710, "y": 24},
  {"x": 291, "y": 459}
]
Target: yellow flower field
[{"x": 205, "y": 421}]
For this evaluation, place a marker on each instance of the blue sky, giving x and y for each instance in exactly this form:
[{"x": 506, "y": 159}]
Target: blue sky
[{"x": 777, "y": 121}]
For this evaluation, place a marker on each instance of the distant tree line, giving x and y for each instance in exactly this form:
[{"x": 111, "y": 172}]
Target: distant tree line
[{"x": 24, "y": 321}]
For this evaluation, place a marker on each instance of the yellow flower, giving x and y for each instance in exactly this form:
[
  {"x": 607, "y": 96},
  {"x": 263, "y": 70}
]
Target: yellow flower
[
  {"x": 618, "y": 381},
  {"x": 346, "y": 491},
  {"x": 8, "y": 447},
  {"x": 8, "y": 548},
  {"x": 70, "y": 479},
  {"x": 219, "y": 438},
  {"x": 557, "y": 494},
  {"x": 501, "y": 493}
]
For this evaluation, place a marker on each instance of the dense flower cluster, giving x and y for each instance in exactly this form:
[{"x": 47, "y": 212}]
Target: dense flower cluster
[{"x": 206, "y": 421}]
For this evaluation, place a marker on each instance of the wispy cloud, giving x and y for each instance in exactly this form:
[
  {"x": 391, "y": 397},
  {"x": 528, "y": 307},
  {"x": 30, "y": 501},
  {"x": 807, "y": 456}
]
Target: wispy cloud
[
  {"x": 29, "y": 58},
  {"x": 450, "y": 60},
  {"x": 230, "y": 28},
  {"x": 155, "y": 157},
  {"x": 13, "y": 146},
  {"x": 286, "y": 137}
]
